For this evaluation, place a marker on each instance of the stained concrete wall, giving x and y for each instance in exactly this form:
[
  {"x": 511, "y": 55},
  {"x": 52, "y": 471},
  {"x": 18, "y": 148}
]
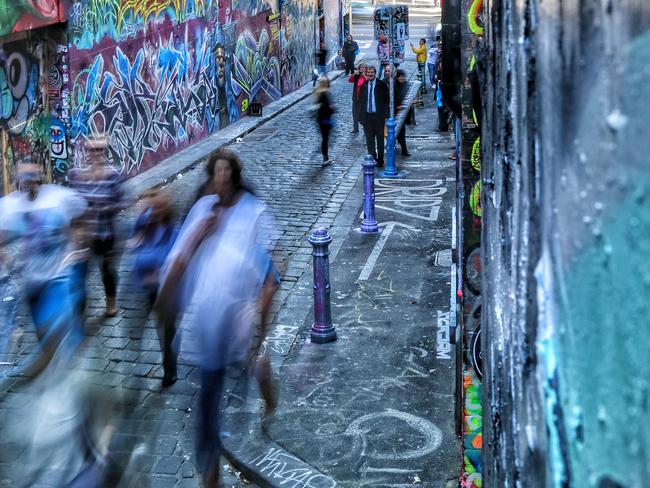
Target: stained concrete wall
[{"x": 566, "y": 235}]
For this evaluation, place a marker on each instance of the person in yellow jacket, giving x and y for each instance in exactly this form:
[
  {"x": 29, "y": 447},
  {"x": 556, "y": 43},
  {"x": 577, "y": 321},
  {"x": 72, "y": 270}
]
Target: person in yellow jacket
[{"x": 421, "y": 58}]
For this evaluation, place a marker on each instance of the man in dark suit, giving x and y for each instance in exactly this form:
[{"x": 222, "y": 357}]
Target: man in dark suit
[{"x": 374, "y": 104}]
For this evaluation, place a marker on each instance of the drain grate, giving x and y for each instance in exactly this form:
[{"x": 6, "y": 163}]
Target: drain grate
[{"x": 261, "y": 135}]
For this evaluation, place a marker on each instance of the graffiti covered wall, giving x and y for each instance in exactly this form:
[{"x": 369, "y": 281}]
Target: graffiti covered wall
[
  {"x": 33, "y": 103},
  {"x": 23, "y": 15},
  {"x": 158, "y": 76},
  {"x": 297, "y": 41}
]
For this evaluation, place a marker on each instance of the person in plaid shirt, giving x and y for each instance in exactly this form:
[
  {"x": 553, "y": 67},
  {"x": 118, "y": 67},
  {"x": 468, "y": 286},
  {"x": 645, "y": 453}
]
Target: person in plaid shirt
[{"x": 101, "y": 186}]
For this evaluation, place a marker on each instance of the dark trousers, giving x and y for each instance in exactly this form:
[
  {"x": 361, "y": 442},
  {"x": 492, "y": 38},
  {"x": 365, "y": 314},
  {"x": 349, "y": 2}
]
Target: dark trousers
[
  {"x": 422, "y": 70},
  {"x": 325, "y": 129},
  {"x": 349, "y": 66},
  {"x": 208, "y": 446},
  {"x": 374, "y": 132},
  {"x": 104, "y": 248},
  {"x": 166, "y": 330},
  {"x": 443, "y": 119},
  {"x": 355, "y": 114}
]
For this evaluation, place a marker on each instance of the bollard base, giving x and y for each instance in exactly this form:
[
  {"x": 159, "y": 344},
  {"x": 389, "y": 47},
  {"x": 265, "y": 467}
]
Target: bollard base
[
  {"x": 369, "y": 229},
  {"x": 322, "y": 335},
  {"x": 391, "y": 174}
]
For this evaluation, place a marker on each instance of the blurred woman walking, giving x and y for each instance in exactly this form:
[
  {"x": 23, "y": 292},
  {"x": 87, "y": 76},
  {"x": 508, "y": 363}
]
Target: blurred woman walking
[{"x": 324, "y": 113}]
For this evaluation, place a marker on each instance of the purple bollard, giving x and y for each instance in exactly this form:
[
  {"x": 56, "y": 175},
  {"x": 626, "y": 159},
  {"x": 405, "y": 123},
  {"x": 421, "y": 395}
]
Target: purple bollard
[
  {"x": 322, "y": 330},
  {"x": 369, "y": 223}
]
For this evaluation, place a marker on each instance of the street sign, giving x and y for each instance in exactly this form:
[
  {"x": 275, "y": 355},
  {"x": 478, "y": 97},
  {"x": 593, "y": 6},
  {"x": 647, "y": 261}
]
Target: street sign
[{"x": 398, "y": 15}]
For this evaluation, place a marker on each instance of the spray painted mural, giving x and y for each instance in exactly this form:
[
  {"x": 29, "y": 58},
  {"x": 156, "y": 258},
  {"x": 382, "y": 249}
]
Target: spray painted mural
[
  {"x": 158, "y": 76},
  {"x": 298, "y": 41},
  {"x": 22, "y": 15},
  {"x": 24, "y": 125}
]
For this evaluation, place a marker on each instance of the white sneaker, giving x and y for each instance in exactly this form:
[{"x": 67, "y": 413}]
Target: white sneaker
[{"x": 328, "y": 162}]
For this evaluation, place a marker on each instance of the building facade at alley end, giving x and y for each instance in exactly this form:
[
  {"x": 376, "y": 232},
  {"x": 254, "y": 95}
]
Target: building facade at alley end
[{"x": 154, "y": 75}]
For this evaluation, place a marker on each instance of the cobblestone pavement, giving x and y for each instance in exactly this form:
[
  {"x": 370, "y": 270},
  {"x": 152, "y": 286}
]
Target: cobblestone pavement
[{"x": 283, "y": 167}]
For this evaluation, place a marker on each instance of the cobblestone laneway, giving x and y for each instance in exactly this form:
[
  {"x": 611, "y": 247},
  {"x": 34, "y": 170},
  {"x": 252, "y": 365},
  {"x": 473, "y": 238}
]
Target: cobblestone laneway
[{"x": 122, "y": 353}]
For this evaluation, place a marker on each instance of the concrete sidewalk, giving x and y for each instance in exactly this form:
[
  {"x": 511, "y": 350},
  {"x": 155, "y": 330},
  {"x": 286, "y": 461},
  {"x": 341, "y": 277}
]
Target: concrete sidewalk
[{"x": 374, "y": 408}]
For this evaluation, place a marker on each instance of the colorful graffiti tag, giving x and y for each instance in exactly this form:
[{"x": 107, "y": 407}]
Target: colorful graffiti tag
[
  {"x": 256, "y": 68},
  {"x": 93, "y": 20},
  {"x": 155, "y": 102},
  {"x": 21, "y": 107},
  {"x": 22, "y": 15}
]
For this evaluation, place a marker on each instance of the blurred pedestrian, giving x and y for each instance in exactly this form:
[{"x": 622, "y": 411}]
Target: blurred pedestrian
[
  {"x": 153, "y": 237},
  {"x": 339, "y": 61},
  {"x": 443, "y": 115},
  {"x": 101, "y": 186},
  {"x": 324, "y": 114},
  {"x": 374, "y": 101},
  {"x": 321, "y": 62},
  {"x": 433, "y": 55},
  {"x": 401, "y": 89},
  {"x": 41, "y": 217},
  {"x": 221, "y": 264},
  {"x": 358, "y": 78},
  {"x": 421, "y": 58},
  {"x": 383, "y": 55},
  {"x": 350, "y": 52}
]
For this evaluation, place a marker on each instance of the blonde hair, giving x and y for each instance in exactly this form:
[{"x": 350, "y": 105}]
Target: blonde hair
[{"x": 323, "y": 85}]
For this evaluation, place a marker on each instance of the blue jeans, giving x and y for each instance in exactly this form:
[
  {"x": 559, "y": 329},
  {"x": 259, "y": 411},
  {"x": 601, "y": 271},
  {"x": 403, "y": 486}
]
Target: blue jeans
[{"x": 432, "y": 73}]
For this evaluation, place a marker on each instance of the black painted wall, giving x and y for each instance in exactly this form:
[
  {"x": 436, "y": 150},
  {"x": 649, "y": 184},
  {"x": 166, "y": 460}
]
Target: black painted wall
[{"x": 565, "y": 240}]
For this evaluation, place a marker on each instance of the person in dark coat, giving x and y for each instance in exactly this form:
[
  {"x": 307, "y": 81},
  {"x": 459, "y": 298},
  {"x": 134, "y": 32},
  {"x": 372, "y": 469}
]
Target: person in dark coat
[
  {"x": 350, "y": 48},
  {"x": 324, "y": 116},
  {"x": 374, "y": 101},
  {"x": 401, "y": 88}
]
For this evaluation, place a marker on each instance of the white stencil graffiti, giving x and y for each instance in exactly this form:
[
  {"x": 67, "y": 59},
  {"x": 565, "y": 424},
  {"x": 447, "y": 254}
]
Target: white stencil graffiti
[{"x": 419, "y": 199}]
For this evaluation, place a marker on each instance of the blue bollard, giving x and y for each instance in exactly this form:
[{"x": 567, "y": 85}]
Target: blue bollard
[
  {"x": 369, "y": 223},
  {"x": 322, "y": 330},
  {"x": 391, "y": 169}
]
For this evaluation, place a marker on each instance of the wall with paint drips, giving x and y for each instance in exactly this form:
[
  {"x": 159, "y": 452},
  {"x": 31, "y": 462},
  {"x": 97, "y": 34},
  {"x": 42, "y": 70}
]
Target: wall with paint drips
[{"x": 566, "y": 213}]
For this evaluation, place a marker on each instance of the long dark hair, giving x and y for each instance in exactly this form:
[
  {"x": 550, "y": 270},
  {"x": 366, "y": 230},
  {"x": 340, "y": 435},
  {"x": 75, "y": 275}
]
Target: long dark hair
[{"x": 236, "y": 168}]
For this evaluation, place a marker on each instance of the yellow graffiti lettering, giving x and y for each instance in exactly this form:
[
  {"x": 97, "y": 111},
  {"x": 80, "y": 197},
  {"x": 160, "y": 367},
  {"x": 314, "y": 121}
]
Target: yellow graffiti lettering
[
  {"x": 148, "y": 8},
  {"x": 475, "y": 199},
  {"x": 476, "y": 155},
  {"x": 244, "y": 105},
  {"x": 472, "y": 18}
]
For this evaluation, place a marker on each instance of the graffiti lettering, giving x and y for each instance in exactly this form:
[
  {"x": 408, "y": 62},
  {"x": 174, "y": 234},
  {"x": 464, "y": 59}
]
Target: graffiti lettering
[
  {"x": 443, "y": 346},
  {"x": 290, "y": 471},
  {"x": 141, "y": 113}
]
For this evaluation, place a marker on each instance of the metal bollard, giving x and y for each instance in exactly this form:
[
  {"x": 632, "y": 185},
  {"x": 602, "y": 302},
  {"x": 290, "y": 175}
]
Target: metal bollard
[
  {"x": 391, "y": 169},
  {"x": 369, "y": 223},
  {"x": 322, "y": 330}
]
